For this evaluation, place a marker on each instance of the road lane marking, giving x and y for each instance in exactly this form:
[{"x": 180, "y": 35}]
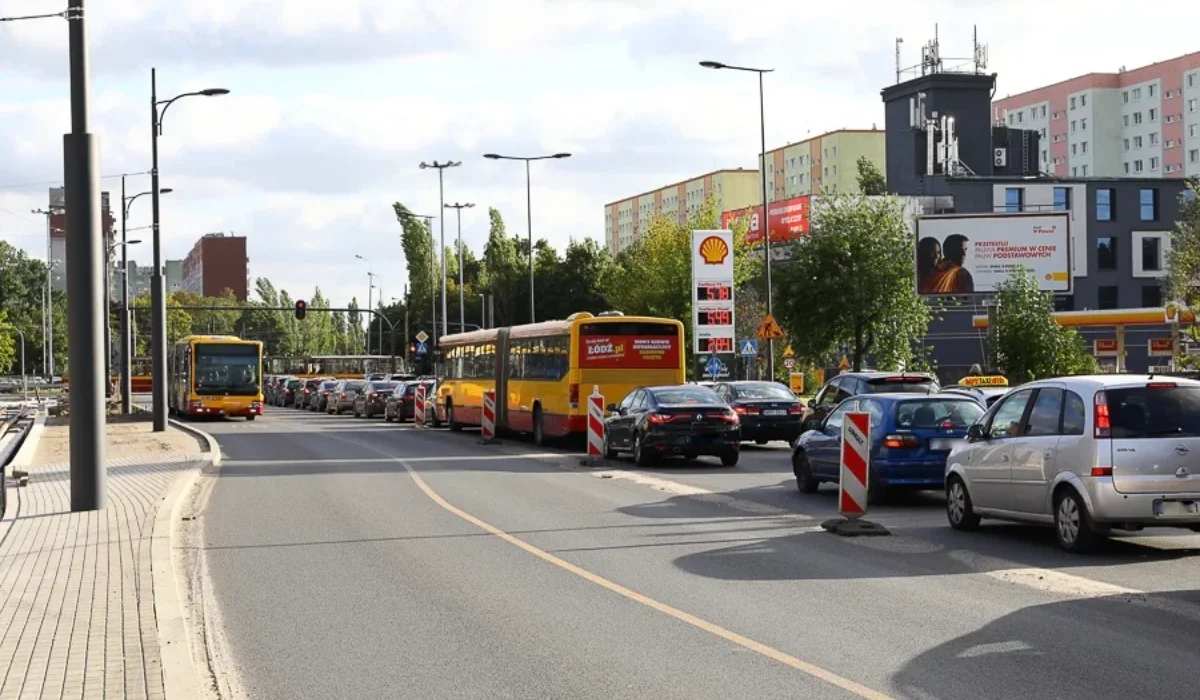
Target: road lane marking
[
  {"x": 813, "y": 670},
  {"x": 385, "y": 458}
]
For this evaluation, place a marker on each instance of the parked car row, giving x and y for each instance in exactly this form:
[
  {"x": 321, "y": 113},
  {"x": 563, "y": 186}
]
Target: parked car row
[{"x": 393, "y": 398}]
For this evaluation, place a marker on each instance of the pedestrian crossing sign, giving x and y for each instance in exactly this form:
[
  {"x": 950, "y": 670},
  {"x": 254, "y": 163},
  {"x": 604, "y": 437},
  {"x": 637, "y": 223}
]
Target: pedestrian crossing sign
[{"x": 749, "y": 348}]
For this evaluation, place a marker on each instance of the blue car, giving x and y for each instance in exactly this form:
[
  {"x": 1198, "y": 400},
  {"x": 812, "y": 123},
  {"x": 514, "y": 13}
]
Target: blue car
[{"x": 911, "y": 436}]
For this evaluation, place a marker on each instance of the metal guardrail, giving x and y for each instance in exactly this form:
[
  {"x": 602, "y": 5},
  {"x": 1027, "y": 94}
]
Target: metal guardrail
[{"x": 9, "y": 451}]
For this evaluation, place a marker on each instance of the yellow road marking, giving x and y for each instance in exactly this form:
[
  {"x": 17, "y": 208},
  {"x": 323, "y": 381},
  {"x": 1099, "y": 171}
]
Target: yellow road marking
[{"x": 799, "y": 664}]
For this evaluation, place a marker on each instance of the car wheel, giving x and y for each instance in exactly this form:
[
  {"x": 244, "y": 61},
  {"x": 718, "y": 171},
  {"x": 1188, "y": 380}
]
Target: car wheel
[
  {"x": 641, "y": 456},
  {"x": 959, "y": 509},
  {"x": 1072, "y": 523},
  {"x": 805, "y": 481},
  {"x": 251, "y": 417},
  {"x": 730, "y": 459},
  {"x": 760, "y": 442},
  {"x": 608, "y": 452},
  {"x": 539, "y": 430}
]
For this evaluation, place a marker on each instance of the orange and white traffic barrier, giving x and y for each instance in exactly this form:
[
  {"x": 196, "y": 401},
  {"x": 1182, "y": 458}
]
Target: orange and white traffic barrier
[
  {"x": 595, "y": 433},
  {"x": 419, "y": 406},
  {"x": 487, "y": 426},
  {"x": 856, "y": 464}
]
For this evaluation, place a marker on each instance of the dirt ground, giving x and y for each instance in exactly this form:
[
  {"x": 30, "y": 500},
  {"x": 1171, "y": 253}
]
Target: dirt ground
[{"x": 125, "y": 439}]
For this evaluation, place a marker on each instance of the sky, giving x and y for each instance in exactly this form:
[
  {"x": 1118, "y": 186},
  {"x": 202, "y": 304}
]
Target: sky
[{"x": 333, "y": 106}]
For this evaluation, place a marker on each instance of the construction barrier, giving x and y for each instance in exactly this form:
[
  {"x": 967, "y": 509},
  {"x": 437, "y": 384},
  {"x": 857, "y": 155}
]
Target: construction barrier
[
  {"x": 856, "y": 460},
  {"x": 595, "y": 436},
  {"x": 487, "y": 426},
  {"x": 419, "y": 406}
]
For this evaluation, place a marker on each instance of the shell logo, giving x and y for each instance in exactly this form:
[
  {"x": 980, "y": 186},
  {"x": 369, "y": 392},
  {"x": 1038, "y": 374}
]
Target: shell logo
[{"x": 714, "y": 250}]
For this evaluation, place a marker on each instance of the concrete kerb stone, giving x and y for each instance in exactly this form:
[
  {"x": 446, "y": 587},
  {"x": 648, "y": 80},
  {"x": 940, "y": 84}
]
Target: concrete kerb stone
[
  {"x": 181, "y": 677},
  {"x": 24, "y": 456}
]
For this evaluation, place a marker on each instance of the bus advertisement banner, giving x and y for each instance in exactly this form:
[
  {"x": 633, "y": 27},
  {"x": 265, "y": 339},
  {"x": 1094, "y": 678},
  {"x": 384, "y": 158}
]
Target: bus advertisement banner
[{"x": 628, "y": 352}]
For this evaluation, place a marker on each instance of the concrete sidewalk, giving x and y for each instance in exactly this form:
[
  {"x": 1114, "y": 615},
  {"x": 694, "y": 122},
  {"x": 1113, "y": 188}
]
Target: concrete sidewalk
[{"x": 78, "y": 610}]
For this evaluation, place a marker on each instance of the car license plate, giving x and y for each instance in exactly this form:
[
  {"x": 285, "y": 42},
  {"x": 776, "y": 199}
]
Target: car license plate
[
  {"x": 775, "y": 412},
  {"x": 1176, "y": 509},
  {"x": 944, "y": 444}
]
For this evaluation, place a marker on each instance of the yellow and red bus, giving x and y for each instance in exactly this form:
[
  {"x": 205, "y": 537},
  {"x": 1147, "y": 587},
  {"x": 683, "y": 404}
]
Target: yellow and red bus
[
  {"x": 215, "y": 375},
  {"x": 542, "y": 373}
]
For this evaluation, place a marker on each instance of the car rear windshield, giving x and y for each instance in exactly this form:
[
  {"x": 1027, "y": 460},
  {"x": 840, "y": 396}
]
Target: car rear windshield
[
  {"x": 294, "y": 384},
  {"x": 355, "y": 386},
  {"x": 763, "y": 390},
  {"x": 384, "y": 386},
  {"x": 686, "y": 395},
  {"x": 1155, "y": 410},
  {"x": 902, "y": 385},
  {"x": 326, "y": 386},
  {"x": 312, "y": 383},
  {"x": 937, "y": 413}
]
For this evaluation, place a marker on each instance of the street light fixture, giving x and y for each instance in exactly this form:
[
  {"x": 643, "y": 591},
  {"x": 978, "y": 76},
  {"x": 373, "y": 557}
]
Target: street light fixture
[
  {"x": 528, "y": 211},
  {"x": 126, "y": 325},
  {"x": 762, "y": 166},
  {"x": 370, "y": 290},
  {"x": 441, "y": 168},
  {"x": 462, "y": 301},
  {"x": 158, "y": 290}
]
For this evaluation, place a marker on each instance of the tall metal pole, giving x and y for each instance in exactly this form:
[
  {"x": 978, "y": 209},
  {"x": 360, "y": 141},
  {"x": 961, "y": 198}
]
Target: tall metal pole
[
  {"x": 126, "y": 353},
  {"x": 158, "y": 287},
  {"x": 442, "y": 249},
  {"x": 529, "y": 225},
  {"x": 370, "y": 291},
  {"x": 107, "y": 316},
  {"x": 84, "y": 256},
  {"x": 407, "y": 355},
  {"x": 462, "y": 297},
  {"x": 483, "y": 311},
  {"x": 762, "y": 122},
  {"x": 49, "y": 358}
]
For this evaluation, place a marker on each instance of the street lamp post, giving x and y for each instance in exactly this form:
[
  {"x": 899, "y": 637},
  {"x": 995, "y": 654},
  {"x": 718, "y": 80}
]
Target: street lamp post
[
  {"x": 441, "y": 167},
  {"x": 158, "y": 288},
  {"x": 483, "y": 311},
  {"x": 764, "y": 224},
  {"x": 124, "y": 246},
  {"x": 528, "y": 212},
  {"x": 370, "y": 290},
  {"x": 126, "y": 321},
  {"x": 462, "y": 303}
]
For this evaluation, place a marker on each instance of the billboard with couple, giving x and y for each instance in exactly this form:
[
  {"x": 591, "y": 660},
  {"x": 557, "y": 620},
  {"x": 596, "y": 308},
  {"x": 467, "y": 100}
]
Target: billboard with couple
[{"x": 976, "y": 253}]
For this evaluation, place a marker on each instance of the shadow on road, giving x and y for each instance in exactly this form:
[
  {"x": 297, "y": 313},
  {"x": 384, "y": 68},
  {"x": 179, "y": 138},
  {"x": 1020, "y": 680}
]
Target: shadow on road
[{"x": 1101, "y": 648}]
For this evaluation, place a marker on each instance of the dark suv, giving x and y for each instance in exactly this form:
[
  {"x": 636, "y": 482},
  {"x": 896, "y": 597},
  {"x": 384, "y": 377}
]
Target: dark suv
[{"x": 850, "y": 384}]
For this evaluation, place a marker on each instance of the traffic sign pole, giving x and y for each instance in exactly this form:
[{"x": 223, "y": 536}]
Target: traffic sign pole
[{"x": 854, "y": 480}]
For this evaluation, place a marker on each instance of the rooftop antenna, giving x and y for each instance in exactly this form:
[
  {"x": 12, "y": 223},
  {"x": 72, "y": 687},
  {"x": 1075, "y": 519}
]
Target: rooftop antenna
[{"x": 899, "y": 40}]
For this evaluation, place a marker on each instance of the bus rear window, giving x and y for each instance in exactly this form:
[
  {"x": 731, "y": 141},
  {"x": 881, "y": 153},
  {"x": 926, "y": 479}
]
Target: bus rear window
[{"x": 629, "y": 345}]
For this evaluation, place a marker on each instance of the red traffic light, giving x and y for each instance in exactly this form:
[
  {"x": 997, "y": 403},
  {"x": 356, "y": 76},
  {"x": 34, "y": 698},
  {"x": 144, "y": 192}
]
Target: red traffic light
[{"x": 301, "y": 309}]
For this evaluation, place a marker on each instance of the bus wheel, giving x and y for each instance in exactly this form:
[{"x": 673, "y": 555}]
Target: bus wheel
[
  {"x": 455, "y": 426},
  {"x": 539, "y": 430},
  {"x": 251, "y": 417}
]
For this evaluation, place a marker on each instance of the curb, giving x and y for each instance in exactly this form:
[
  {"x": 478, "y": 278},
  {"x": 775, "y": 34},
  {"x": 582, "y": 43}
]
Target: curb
[
  {"x": 181, "y": 676},
  {"x": 24, "y": 456}
]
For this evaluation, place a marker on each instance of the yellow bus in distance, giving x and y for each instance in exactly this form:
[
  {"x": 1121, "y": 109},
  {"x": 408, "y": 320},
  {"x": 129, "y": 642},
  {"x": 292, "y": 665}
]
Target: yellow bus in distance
[
  {"x": 215, "y": 375},
  {"x": 542, "y": 373}
]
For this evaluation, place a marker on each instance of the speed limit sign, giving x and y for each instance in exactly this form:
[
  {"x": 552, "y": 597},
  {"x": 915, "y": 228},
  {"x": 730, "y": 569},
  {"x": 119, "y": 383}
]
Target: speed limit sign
[{"x": 789, "y": 362}]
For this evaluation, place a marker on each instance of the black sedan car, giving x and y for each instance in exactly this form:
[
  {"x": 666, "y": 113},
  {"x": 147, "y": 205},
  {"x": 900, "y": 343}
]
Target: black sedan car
[
  {"x": 319, "y": 401},
  {"x": 686, "y": 420},
  {"x": 370, "y": 401},
  {"x": 401, "y": 402},
  {"x": 768, "y": 410},
  {"x": 306, "y": 392},
  {"x": 287, "y": 395}
]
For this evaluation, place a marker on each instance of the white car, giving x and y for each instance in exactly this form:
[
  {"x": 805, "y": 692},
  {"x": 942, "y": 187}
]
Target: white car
[{"x": 1086, "y": 454}]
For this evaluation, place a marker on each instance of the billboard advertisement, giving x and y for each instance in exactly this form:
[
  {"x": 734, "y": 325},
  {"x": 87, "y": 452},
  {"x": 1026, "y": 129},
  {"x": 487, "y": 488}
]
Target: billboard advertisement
[
  {"x": 712, "y": 291},
  {"x": 787, "y": 219},
  {"x": 628, "y": 351},
  {"x": 976, "y": 253}
]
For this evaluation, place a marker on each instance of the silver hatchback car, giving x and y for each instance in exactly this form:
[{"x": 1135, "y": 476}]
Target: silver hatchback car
[{"x": 1086, "y": 454}]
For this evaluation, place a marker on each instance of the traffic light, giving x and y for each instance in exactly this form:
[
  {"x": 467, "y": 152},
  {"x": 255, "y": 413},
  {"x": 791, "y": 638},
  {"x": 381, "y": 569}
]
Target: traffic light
[{"x": 301, "y": 309}]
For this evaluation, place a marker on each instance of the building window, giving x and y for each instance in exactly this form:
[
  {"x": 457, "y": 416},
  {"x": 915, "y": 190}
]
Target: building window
[
  {"x": 1104, "y": 205},
  {"x": 1192, "y": 105},
  {"x": 1083, "y": 124},
  {"x": 1020, "y": 117},
  {"x": 1151, "y": 296},
  {"x": 1154, "y": 139},
  {"x": 1150, "y": 90},
  {"x": 1010, "y": 120},
  {"x": 1126, "y": 118},
  {"x": 1170, "y": 119},
  {"x": 1192, "y": 130},
  {"x": 1106, "y": 253},
  {"x": 1137, "y": 117},
  {"x": 1074, "y": 146},
  {"x": 1126, "y": 167},
  {"x": 1194, "y": 156},
  {"x": 826, "y": 167},
  {"x": 835, "y": 166},
  {"x": 1074, "y": 124},
  {"x": 1083, "y": 147},
  {"x": 1072, "y": 103},
  {"x": 1125, "y": 96},
  {"x": 1057, "y": 138},
  {"x": 1153, "y": 114},
  {"x": 1043, "y": 133},
  {"x": 1148, "y": 204},
  {"x": 1014, "y": 199},
  {"x": 1074, "y": 171},
  {"x": 1137, "y": 93},
  {"x": 1127, "y": 144},
  {"x": 1154, "y": 162},
  {"x": 835, "y": 151},
  {"x": 1137, "y": 141},
  {"x": 1062, "y": 199},
  {"x": 1083, "y": 170},
  {"x": 1108, "y": 298},
  {"x": 1191, "y": 79},
  {"x": 1043, "y": 113},
  {"x": 1083, "y": 100},
  {"x": 1152, "y": 254},
  {"x": 1137, "y": 166}
]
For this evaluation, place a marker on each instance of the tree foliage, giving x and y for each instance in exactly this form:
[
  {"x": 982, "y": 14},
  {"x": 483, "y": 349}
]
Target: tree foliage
[
  {"x": 851, "y": 286},
  {"x": 22, "y": 300},
  {"x": 8, "y": 343},
  {"x": 1027, "y": 344},
  {"x": 870, "y": 179},
  {"x": 1183, "y": 260}
]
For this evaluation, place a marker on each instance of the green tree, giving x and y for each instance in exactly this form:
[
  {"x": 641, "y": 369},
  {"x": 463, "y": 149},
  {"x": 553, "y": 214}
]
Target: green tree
[
  {"x": 423, "y": 279},
  {"x": 356, "y": 339},
  {"x": 851, "y": 286},
  {"x": 22, "y": 298},
  {"x": 505, "y": 280},
  {"x": 1183, "y": 260},
  {"x": 870, "y": 179},
  {"x": 1027, "y": 344},
  {"x": 8, "y": 343},
  {"x": 320, "y": 325}
]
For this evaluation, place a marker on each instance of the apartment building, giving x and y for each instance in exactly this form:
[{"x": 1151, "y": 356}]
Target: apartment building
[
  {"x": 217, "y": 262},
  {"x": 626, "y": 220},
  {"x": 822, "y": 164},
  {"x": 1142, "y": 123}
]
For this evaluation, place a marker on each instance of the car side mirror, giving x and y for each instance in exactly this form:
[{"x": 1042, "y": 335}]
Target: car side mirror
[
  {"x": 975, "y": 432},
  {"x": 612, "y": 408},
  {"x": 812, "y": 403}
]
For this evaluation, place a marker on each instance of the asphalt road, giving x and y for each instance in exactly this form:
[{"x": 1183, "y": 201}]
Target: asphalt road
[{"x": 358, "y": 559}]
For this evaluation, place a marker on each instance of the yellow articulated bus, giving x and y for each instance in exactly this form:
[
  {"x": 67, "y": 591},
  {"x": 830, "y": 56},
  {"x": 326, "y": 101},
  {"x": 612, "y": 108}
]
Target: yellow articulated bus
[
  {"x": 542, "y": 373},
  {"x": 215, "y": 375}
]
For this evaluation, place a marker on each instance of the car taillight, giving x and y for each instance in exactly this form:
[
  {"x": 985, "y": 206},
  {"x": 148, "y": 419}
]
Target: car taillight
[
  {"x": 1161, "y": 385},
  {"x": 1101, "y": 471},
  {"x": 796, "y": 410},
  {"x": 659, "y": 418},
  {"x": 343, "y": 394},
  {"x": 727, "y": 416},
  {"x": 901, "y": 442},
  {"x": 1103, "y": 427},
  {"x": 573, "y": 395},
  {"x": 746, "y": 410}
]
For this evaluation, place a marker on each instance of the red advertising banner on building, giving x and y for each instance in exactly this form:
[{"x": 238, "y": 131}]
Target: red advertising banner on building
[
  {"x": 628, "y": 352},
  {"x": 787, "y": 219}
]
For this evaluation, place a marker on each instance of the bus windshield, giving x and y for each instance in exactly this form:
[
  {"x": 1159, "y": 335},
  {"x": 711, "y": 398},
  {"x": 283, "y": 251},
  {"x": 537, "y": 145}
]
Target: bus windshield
[
  {"x": 629, "y": 345},
  {"x": 227, "y": 368}
]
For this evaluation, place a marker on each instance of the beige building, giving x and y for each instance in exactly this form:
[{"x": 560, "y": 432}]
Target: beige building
[
  {"x": 626, "y": 220},
  {"x": 822, "y": 164}
]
